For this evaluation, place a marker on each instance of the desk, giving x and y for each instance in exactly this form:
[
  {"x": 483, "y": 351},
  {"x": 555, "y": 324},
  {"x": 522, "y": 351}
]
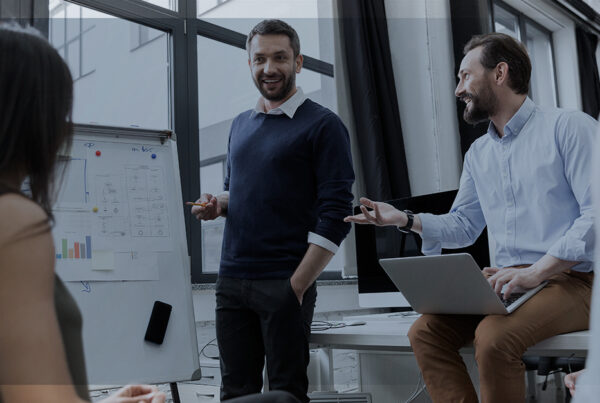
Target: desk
[{"x": 389, "y": 333}]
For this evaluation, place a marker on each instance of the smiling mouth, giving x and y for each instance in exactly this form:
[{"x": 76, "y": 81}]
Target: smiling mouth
[{"x": 271, "y": 81}]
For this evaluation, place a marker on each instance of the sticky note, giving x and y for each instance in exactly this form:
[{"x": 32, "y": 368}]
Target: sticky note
[{"x": 103, "y": 260}]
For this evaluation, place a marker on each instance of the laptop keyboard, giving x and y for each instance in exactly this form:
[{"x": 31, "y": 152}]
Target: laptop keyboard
[{"x": 512, "y": 299}]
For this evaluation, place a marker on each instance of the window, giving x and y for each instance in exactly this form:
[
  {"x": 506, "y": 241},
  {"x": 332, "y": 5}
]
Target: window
[
  {"x": 134, "y": 65},
  {"x": 127, "y": 88},
  {"x": 142, "y": 35},
  {"x": 67, "y": 32},
  {"x": 204, "y": 6},
  {"x": 312, "y": 19},
  {"x": 225, "y": 89},
  {"x": 170, "y": 4},
  {"x": 212, "y": 174},
  {"x": 538, "y": 42},
  {"x": 505, "y": 22}
]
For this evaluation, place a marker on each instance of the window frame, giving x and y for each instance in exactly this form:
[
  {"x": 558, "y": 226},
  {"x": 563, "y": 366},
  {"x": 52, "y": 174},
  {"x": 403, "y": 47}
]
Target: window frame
[
  {"x": 184, "y": 27},
  {"x": 77, "y": 38},
  {"x": 140, "y": 41},
  {"x": 522, "y": 21}
]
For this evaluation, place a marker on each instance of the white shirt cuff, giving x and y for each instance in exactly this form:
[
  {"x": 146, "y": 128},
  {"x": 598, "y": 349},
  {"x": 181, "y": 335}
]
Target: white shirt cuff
[{"x": 322, "y": 242}]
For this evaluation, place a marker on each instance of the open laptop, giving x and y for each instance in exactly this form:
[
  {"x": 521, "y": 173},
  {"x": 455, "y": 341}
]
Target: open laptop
[{"x": 449, "y": 284}]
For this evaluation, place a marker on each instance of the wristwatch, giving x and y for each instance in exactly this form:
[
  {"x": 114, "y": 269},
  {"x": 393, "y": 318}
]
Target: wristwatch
[{"x": 407, "y": 228}]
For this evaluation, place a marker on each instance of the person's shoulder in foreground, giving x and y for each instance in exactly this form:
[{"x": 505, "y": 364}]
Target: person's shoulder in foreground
[{"x": 19, "y": 215}]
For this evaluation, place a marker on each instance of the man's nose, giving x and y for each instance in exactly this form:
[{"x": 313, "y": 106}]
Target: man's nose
[
  {"x": 459, "y": 89},
  {"x": 268, "y": 67}
]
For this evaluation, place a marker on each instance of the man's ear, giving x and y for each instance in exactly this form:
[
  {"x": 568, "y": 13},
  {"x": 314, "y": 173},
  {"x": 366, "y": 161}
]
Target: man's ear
[
  {"x": 299, "y": 62},
  {"x": 501, "y": 73}
]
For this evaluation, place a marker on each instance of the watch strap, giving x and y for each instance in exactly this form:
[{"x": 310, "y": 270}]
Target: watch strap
[{"x": 411, "y": 219}]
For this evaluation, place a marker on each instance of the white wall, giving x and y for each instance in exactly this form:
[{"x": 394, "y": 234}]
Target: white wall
[{"x": 423, "y": 62}]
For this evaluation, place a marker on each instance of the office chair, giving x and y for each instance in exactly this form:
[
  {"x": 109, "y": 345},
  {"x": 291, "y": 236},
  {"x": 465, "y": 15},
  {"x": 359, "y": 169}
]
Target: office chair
[{"x": 547, "y": 366}]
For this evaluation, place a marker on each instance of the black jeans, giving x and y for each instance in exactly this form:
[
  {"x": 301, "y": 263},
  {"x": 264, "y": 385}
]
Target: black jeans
[
  {"x": 269, "y": 397},
  {"x": 258, "y": 318}
]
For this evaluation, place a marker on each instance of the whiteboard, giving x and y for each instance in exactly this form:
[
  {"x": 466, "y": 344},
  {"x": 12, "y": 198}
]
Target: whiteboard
[{"x": 120, "y": 245}]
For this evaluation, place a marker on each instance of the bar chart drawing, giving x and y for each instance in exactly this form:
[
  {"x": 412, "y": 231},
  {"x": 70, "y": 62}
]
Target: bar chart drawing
[{"x": 73, "y": 249}]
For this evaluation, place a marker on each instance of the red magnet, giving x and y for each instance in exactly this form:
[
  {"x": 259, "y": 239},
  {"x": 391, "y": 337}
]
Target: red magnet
[{"x": 98, "y": 153}]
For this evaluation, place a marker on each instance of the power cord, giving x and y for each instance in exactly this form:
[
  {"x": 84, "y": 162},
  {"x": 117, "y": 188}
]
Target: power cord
[
  {"x": 405, "y": 314},
  {"x": 545, "y": 384},
  {"x": 210, "y": 343},
  {"x": 321, "y": 325},
  {"x": 418, "y": 389},
  {"x": 569, "y": 362}
]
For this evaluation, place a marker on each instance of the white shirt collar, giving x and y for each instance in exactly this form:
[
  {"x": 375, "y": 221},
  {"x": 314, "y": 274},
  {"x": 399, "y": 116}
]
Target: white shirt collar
[{"x": 288, "y": 108}]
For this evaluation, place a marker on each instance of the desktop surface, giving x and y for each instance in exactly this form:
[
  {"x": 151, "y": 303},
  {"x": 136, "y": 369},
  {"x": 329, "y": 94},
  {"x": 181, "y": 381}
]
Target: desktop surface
[{"x": 388, "y": 332}]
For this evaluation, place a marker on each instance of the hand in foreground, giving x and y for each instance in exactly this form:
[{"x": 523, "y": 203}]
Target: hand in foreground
[
  {"x": 136, "y": 394},
  {"x": 521, "y": 278},
  {"x": 571, "y": 380},
  {"x": 209, "y": 209},
  {"x": 381, "y": 214}
]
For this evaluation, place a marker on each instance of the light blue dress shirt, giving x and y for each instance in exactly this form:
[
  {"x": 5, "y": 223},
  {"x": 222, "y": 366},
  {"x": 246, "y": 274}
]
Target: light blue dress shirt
[{"x": 531, "y": 187}]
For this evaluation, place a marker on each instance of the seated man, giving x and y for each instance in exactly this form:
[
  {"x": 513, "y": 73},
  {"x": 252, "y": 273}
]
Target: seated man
[{"x": 528, "y": 180}]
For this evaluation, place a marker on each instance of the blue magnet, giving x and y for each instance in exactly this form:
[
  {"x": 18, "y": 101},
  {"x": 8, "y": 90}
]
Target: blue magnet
[{"x": 153, "y": 156}]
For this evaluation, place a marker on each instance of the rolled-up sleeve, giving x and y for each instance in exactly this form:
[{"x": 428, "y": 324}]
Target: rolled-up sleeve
[{"x": 334, "y": 178}]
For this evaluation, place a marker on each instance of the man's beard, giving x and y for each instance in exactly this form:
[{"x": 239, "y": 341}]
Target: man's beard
[
  {"x": 286, "y": 88},
  {"x": 482, "y": 105}
]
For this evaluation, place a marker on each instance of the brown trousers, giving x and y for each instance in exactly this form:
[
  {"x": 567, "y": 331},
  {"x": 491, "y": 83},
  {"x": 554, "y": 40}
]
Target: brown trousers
[{"x": 500, "y": 340}]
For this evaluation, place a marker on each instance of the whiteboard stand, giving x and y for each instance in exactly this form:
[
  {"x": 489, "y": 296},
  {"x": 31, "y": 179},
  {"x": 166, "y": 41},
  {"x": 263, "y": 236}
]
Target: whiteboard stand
[
  {"x": 175, "y": 392},
  {"x": 121, "y": 245}
]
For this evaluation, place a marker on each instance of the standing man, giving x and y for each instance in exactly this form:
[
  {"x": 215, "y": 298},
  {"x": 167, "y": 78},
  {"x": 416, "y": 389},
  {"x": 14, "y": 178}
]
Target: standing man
[
  {"x": 528, "y": 180},
  {"x": 287, "y": 191}
]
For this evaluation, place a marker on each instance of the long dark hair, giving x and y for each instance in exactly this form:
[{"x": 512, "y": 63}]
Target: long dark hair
[{"x": 36, "y": 98}]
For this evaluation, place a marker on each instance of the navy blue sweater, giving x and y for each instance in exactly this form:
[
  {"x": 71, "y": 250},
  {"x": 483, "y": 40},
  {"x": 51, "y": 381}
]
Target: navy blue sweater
[{"x": 286, "y": 178}]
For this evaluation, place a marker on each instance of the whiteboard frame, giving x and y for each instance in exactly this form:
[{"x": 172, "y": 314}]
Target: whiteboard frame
[{"x": 115, "y": 314}]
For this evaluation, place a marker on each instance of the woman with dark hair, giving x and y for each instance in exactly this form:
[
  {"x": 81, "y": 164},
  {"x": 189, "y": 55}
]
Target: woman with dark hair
[{"x": 41, "y": 351}]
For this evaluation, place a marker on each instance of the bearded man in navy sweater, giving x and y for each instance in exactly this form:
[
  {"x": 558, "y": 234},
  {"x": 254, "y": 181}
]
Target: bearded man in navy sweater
[{"x": 287, "y": 190}]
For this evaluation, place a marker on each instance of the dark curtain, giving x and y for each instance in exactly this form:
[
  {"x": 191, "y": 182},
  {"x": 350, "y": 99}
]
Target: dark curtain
[
  {"x": 588, "y": 71},
  {"x": 26, "y": 12},
  {"x": 374, "y": 101},
  {"x": 468, "y": 18}
]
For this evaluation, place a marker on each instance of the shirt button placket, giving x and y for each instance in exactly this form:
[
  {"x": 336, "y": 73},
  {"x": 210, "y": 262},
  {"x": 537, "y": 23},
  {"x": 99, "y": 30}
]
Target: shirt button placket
[{"x": 509, "y": 214}]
